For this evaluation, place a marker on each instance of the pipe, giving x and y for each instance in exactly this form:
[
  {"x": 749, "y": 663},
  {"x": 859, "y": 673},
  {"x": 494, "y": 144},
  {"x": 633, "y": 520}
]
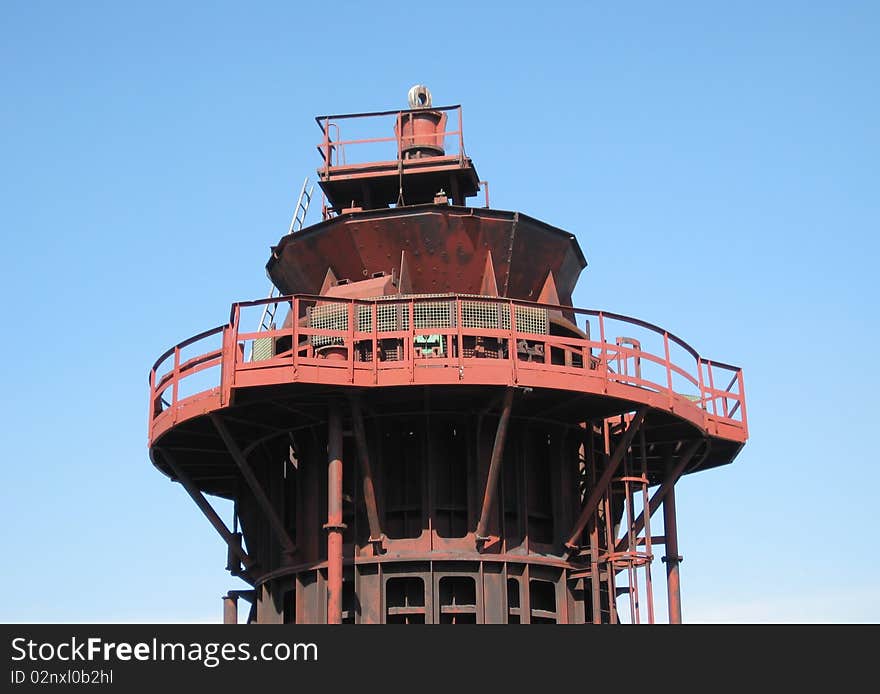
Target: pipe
[
  {"x": 495, "y": 466},
  {"x": 672, "y": 558},
  {"x": 334, "y": 524}
]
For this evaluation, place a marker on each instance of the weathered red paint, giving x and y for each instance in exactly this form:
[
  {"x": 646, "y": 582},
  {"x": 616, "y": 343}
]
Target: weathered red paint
[
  {"x": 429, "y": 320},
  {"x": 334, "y": 524},
  {"x": 672, "y": 558}
]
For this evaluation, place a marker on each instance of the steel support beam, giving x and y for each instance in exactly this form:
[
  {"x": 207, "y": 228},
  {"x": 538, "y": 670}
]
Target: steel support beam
[
  {"x": 490, "y": 492},
  {"x": 672, "y": 558},
  {"x": 196, "y": 495},
  {"x": 671, "y": 478},
  {"x": 247, "y": 472},
  {"x": 334, "y": 525},
  {"x": 360, "y": 437},
  {"x": 230, "y": 609},
  {"x": 601, "y": 486},
  {"x": 595, "y": 587}
]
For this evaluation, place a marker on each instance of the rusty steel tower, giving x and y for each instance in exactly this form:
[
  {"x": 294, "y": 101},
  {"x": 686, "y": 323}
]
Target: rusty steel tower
[{"x": 431, "y": 432}]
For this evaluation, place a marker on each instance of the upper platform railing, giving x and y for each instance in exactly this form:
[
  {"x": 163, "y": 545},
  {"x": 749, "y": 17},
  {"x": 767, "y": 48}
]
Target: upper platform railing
[
  {"x": 371, "y": 129},
  {"x": 446, "y": 339}
]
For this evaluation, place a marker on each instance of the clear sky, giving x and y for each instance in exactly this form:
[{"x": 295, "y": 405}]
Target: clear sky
[{"x": 718, "y": 163}]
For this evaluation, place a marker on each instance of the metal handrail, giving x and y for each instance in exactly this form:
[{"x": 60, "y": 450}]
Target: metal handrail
[
  {"x": 328, "y": 145},
  {"x": 720, "y": 403}
]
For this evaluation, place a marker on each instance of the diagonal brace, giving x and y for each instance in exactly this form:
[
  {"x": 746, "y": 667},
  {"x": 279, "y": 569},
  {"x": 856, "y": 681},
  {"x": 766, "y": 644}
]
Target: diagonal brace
[
  {"x": 366, "y": 471},
  {"x": 231, "y": 540},
  {"x": 495, "y": 466},
  {"x": 601, "y": 485},
  {"x": 275, "y": 521},
  {"x": 671, "y": 479}
]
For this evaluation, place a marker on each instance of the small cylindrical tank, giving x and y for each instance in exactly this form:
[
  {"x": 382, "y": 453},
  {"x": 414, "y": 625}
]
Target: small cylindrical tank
[{"x": 421, "y": 132}]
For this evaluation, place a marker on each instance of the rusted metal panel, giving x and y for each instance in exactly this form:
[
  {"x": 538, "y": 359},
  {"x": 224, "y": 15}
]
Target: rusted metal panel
[
  {"x": 270, "y": 609},
  {"x": 230, "y": 609},
  {"x": 446, "y": 247},
  {"x": 494, "y": 593}
]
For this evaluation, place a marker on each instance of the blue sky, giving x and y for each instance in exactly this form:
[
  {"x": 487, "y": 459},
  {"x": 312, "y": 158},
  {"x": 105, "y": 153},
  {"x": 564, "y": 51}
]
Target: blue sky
[{"x": 717, "y": 162}]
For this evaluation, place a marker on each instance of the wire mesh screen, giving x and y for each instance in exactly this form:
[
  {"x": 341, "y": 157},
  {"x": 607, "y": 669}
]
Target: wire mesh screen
[
  {"x": 482, "y": 314},
  {"x": 263, "y": 348},
  {"x": 493, "y": 315},
  {"x": 393, "y": 315},
  {"x": 529, "y": 319},
  {"x": 327, "y": 317},
  {"x": 364, "y": 318},
  {"x": 434, "y": 314}
]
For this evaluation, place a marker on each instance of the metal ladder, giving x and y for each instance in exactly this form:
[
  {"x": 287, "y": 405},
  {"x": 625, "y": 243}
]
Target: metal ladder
[
  {"x": 264, "y": 347},
  {"x": 267, "y": 320}
]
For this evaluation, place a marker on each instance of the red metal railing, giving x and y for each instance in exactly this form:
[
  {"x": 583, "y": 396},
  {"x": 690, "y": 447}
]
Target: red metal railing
[
  {"x": 334, "y": 150},
  {"x": 639, "y": 366}
]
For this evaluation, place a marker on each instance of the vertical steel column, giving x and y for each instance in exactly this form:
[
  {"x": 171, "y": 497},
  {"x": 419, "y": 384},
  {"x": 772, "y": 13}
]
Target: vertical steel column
[
  {"x": 334, "y": 524},
  {"x": 230, "y": 609},
  {"x": 672, "y": 558}
]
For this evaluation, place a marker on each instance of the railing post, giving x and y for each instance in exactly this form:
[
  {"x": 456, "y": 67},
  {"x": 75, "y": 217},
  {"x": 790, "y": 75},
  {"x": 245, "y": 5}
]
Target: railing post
[
  {"x": 176, "y": 379},
  {"x": 702, "y": 387},
  {"x": 512, "y": 354},
  {"x": 229, "y": 358},
  {"x": 668, "y": 367},
  {"x": 236, "y": 325},
  {"x": 226, "y": 365},
  {"x": 410, "y": 349},
  {"x": 326, "y": 147},
  {"x": 586, "y": 350},
  {"x": 712, "y": 388},
  {"x": 236, "y": 322},
  {"x": 485, "y": 185},
  {"x": 352, "y": 313},
  {"x": 153, "y": 398},
  {"x": 604, "y": 353},
  {"x": 742, "y": 399},
  {"x": 460, "y": 347},
  {"x": 294, "y": 333},
  {"x": 461, "y": 139},
  {"x": 374, "y": 318}
]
